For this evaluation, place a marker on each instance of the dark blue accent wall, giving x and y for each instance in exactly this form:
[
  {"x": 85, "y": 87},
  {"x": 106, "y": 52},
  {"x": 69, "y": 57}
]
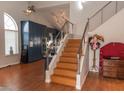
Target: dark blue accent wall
[{"x": 32, "y": 43}]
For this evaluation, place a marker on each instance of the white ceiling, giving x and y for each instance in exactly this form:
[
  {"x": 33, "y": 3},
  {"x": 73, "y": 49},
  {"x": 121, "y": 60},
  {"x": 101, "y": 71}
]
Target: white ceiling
[
  {"x": 45, "y": 9},
  {"x": 47, "y": 13},
  {"x": 42, "y": 4}
]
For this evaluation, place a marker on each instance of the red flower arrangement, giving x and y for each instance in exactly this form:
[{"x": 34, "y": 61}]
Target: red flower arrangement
[
  {"x": 95, "y": 41},
  {"x": 95, "y": 44}
]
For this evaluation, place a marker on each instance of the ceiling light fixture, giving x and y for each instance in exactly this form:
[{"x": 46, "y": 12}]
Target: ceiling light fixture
[
  {"x": 80, "y": 5},
  {"x": 83, "y": 1},
  {"x": 30, "y": 9}
]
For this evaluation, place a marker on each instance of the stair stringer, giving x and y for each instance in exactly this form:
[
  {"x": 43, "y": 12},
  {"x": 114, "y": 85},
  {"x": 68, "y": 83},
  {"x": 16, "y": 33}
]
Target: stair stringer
[
  {"x": 84, "y": 68},
  {"x": 55, "y": 59}
]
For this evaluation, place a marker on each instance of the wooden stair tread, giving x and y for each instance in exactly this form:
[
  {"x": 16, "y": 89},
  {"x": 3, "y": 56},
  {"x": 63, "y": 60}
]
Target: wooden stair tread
[
  {"x": 63, "y": 80},
  {"x": 67, "y": 62},
  {"x": 72, "y": 45},
  {"x": 68, "y": 59},
  {"x": 69, "y": 49},
  {"x": 65, "y": 72},
  {"x": 68, "y": 54},
  {"x": 74, "y": 40},
  {"x": 67, "y": 66}
]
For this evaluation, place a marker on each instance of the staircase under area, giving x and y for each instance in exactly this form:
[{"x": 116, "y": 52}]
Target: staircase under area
[{"x": 66, "y": 69}]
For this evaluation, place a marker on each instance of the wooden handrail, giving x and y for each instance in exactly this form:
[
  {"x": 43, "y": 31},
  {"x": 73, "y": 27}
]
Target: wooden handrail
[
  {"x": 54, "y": 43},
  {"x": 80, "y": 47},
  {"x": 83, "y": 37}
]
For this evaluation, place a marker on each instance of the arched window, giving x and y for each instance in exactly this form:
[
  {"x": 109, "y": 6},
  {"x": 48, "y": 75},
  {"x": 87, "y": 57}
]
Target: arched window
[{"x": 11, "y": 35}]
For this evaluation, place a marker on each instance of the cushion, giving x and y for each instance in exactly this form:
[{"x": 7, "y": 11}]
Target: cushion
[{"x": 115, "y": 58}]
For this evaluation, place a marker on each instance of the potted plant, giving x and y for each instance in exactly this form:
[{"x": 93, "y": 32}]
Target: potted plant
[{"x": 95, "y": 42}]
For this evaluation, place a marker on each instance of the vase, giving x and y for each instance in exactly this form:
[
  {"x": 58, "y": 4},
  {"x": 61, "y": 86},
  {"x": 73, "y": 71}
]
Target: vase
[{"x": 94, "y": 67}]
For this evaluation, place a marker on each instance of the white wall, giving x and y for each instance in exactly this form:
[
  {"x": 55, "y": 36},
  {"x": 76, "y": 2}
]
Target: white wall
[
  {"x": 112, "y": 31},
  {"x": 15, "y": 9},
  {"x": 79, "y": 17},
  {"x": 106, "y": 13},
  {"x": 43, "y": 4},
  {"x": 75, "y": 17}
]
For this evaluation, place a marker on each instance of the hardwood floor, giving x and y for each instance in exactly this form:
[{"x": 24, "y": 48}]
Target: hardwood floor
[
  {"x": 27, "y": 77},
  {"x": 31, "y": 77},
  {"x": 96, "y": 82}
]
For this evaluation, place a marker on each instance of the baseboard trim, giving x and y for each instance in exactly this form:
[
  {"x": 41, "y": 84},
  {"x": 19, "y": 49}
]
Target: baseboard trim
[
  {"x": 84, "y": 79},
  {"x": 5, "y": 65}
]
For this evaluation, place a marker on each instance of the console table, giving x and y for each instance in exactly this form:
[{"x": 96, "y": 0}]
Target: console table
[{"x": 113, "y": 68}]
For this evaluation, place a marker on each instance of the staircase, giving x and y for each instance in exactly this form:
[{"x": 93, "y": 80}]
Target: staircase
[
  {"x": 72, "y": 67},
  {"x": 66, "y": 69}
]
